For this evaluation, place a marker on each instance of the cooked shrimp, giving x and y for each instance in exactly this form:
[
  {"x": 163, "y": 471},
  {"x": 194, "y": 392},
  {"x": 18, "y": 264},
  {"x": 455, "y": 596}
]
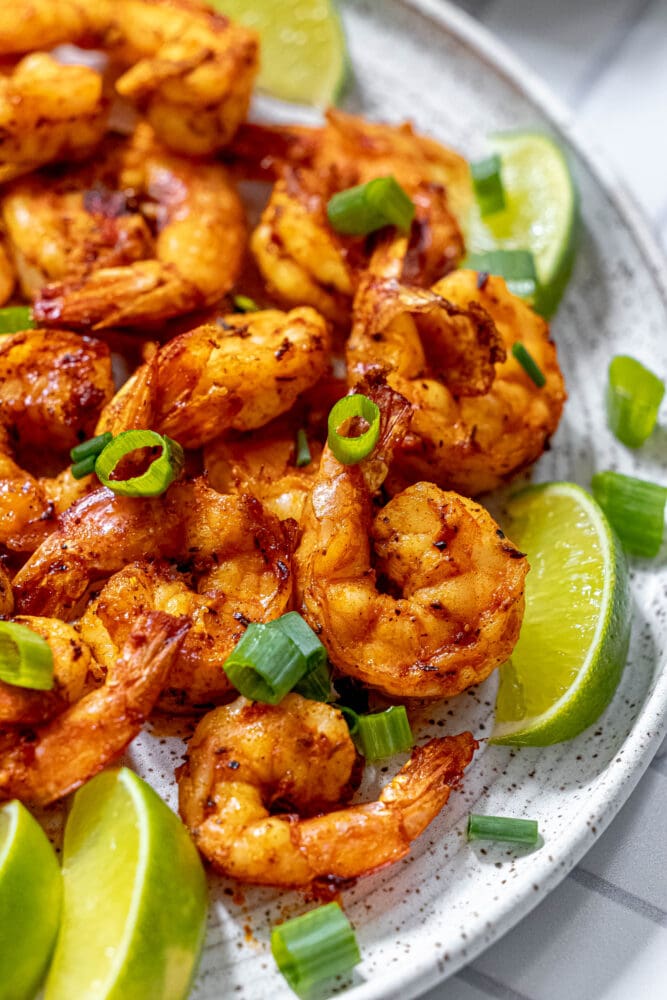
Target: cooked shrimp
[
  {"x": 6, "y": 595},
  {"x": 7, "y": 275},
  {"x": 191, "y": 69},
  {"x": 238, "y": 373},
  {"x": 422, "y": 598},
  {"x": 54, "y": 758},
  {"x": 53, "y": 385},
  {"x": 228, "y": 545},
  {"x": 84, "y": 249},
  {"x": 247, "y": 760},
  {"x": 463, "y": 441},
  {"x": 74, "y": 670},
  {"x": 48, "y": 112}
]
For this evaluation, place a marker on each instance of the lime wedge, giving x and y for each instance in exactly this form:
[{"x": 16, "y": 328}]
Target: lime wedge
[
  {"x": 303, "y": 51},
  {"x": 541, "y": 211},
  {"x": 30, "y": 894},
  {"x": 575, "y": 634},
  {"x": 134, "y": 906}
]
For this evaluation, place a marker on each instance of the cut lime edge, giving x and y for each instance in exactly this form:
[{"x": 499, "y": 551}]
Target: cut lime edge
[{"x": 611, "y": 552}]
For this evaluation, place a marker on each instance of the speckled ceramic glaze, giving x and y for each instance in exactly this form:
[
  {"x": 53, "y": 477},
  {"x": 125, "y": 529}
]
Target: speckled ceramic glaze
[{"x": 422, "y": 919}]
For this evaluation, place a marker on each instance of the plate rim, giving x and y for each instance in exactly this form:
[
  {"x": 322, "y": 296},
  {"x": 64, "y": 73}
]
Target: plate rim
[{"x": 465, "y": 30}]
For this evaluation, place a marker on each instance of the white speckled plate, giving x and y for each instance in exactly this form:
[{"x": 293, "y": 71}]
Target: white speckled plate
[{"x": 420, "y": 921}]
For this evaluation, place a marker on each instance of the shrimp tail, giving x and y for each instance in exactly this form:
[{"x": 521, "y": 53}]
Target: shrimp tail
[{"x": 421, "y": 788}]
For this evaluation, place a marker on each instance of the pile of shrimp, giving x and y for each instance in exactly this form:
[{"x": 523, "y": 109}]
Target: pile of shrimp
[{"x": 130, "y": 249}]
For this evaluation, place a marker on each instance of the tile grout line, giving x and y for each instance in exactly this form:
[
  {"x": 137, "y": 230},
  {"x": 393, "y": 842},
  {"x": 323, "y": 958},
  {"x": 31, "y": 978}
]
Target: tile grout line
[
  {"x": 489, "y": 985},
  {"x": 604, "y": 60},
  {"x": 620, "y": 896}
]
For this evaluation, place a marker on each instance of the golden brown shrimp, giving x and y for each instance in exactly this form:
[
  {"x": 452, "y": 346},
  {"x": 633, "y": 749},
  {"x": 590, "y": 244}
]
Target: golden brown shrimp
[
  {"x": 474, "y": 443},
  {"x": 190, "y": 71},
  {"x": 238, "y": 373},
  {"x": 6, "y": 595},
  {"x": 48, "y": 112},
  {"x": 74, "y": 671},
  {"x": 247, "y": 759},
  {"x": 84, "y": 248},
  {"x": 53, "y": 385},
  {"x": 421, "y": 598},
  {"x": 54, "y": 758},
  {"x": 7, "y": 274}
]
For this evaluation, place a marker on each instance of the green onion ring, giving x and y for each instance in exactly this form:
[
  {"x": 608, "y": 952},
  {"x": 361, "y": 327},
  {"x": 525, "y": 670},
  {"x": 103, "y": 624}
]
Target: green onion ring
[
  {"x": 350, "y": 450},
  {"x": 157, "y": 478}
]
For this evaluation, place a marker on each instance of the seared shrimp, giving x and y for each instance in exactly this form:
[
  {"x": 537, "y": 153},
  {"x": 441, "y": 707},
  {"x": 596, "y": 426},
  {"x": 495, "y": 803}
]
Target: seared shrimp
[
  {"x": 53, "y": 385},
  {"x": 475, "y": 443},
  {"x": 191, "y": 70},
  {"x": 421, "y": 598},
  {"x": 74, "y": 671},
  {"x": 247, "y": 759},
  {"x": 54, "y": 758},
  {"x": 48, "y": 112},
  {"x": 84, "y": 248}
]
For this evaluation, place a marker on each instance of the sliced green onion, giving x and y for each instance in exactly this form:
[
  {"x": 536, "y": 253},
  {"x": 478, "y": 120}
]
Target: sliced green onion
[
  {"x": 91, "y": 447},
  {"x": 244, "y": 304},
  {"x": 84, "y": 468},
  {"x": 303, "y": 637},
  {"x": 517, "y": 267},
  {"x": 635, "y": 508},
  {"x": 505, "y": 828},
  {"x": 303, "y": 456},
  {"x": 350, "y": 450},
  {"x": 316, "y": 685},
  {"x": 363, "y": 209},
  {"x": 265, "y": 664},
  {"x": 487, "y": 182},
  {"x": 381, "y": 734},
  {"x": 160, "y": 474},
  {"x": 529, "y": 365},
  {"x": 26, "y": 659},
  {"x": 315, "y": 947},
  {"x": 15, "y": 319},
  {"x": 634, "y": 395}
]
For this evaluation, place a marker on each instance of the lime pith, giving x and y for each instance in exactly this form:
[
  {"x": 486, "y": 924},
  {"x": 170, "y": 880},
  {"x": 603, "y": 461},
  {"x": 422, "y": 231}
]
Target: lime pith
[
  {"x": 541, "y": 213},
  {"x": 574, "y": 639},
  {"x": 30, "y": 896},
  {"x": 135, "y": 899},
  {"x": 303, "y": 50}
]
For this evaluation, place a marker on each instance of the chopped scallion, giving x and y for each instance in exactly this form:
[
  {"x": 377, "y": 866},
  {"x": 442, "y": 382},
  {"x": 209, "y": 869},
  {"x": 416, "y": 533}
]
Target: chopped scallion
[
  {"x": 363, "y": 209},
  {"x": 15, "y": 319},
  {"x": 92, "y": 447},
  {"x": 316, "y": 685},
  {"x": 350, "y": 450},
  {"x": 244, "y": 304},
  {"x": 517, "y": 267},
  {"x": 303, "y": 456},
  {"x": 634, "y": 395},
  {"x": 84, "y": 468},
  {"x": 505, "y": 828},
  {"x": 26, "y": 659},
  {"x": 302, "y": 635},
  {"x": 635, "y": 508},
  {"x": 315, "y": 947},
  {"x": 265, "y": 664},
  {"x": 160, "y": 474},
  {"x": 529, "y": 365},
  {"x": 488, "y": 185},
  {"x": 381, "y": 734}
]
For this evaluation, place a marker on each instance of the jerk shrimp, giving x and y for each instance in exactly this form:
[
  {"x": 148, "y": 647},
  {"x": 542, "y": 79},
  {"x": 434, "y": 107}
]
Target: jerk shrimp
[
  {"x": 48, "y": 112},
  {"x": 264, "y": 792},
  {"x": 138, "y": 236},
  {"x": 45, "y": 762},
  {"x": 220, "y": 560},
  {"x": 53, "y": 385},
  {"x": 421, "y": 598},
  {"x": 188, "y": 69}
]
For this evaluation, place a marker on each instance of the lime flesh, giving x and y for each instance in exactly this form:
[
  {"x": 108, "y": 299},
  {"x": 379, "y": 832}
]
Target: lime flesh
[
  {"x": 576, "y": 629},
  {"x": 540, "y": 214},
  {"x": 30, "y": 895},
  {"x": 303, "y": 52},
  {"x": 134, "y": 907}
]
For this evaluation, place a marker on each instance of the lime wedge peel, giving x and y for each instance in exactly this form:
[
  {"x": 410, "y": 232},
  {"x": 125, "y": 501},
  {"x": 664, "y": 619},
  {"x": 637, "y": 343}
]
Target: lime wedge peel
[
  {"x": 303, "y": 52},
  {"x": 30, "y": 897},
  {"x": 574, "y": 640},
  {"x": 541, "y": 213}
]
